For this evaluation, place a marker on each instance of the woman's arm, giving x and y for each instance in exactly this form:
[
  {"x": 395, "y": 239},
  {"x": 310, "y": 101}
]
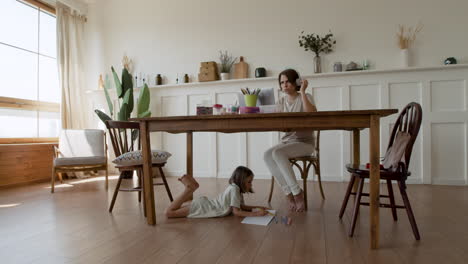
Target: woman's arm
[
  {"x": 238, "y": 212},
  {"x": 308, "y": 106}
]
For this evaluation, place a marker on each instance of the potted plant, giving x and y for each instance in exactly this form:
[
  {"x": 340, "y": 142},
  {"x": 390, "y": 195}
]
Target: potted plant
[
  {"x": 124, "y": 92},
  {"x": 317, "y": 44},
  {"x": 226, "y": 62},
  {"x": 405, "y": 38}
]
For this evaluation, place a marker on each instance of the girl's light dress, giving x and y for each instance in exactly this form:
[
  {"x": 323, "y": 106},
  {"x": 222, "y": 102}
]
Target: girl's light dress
[{"x": 203, "y": 207}]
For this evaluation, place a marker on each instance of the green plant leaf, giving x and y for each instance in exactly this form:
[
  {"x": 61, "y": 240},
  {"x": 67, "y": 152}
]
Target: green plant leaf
[
  {"x": 124, "y": 115},
  {"x": 127, "y": 82},
  {"x": 143, "y": 101},
  {"x": 135, "y": 134},
  {"x": 108, "y": 99},
  {"x": 103, "y": 116},
  {"x": 118, "y": 86},
  {"x": 145, "y": 114},
  {"x": 128, "y": 99}
]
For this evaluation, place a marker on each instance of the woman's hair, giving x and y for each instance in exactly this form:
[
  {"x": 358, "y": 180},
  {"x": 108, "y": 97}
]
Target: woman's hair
[
  {"x": 292, "y": 76},
  {"x": 239, "y": 177}
]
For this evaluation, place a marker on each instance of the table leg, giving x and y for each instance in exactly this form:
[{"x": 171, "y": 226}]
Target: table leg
[
  {"x": 356, "y": 153},
  {"x": 190, "y": 153},
  {"x": 147, "y": 173},
  {"x": 374, "y": 152}
]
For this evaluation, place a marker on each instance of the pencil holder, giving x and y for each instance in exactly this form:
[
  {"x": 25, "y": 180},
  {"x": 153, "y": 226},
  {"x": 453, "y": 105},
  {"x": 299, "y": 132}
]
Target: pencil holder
[{"x": 250, "y": 100}]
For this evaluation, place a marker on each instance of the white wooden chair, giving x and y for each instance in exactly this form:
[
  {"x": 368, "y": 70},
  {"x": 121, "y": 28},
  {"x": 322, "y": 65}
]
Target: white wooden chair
[{"x": 80, "y": 150}]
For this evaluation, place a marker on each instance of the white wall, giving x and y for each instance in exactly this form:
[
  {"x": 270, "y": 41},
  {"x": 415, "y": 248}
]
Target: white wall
[{"x": 174, "y": 36}]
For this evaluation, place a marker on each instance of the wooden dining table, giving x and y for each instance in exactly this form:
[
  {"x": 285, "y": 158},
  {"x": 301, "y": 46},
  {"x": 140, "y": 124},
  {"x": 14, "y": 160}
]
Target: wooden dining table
[{"x": 352, "y": 120}]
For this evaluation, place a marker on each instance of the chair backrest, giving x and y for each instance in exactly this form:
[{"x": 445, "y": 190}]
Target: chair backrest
[
  {"x": 124, "y": 136},
  {"x": 408, "y": 121},
  {"x": 82, "y": 143}
]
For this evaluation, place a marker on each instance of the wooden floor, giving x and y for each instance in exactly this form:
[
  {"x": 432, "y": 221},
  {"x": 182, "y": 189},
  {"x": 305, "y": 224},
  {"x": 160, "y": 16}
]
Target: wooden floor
[{"x": 73, "y": 226}]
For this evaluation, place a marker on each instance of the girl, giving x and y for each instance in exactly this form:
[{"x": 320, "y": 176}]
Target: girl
[
  {"x": 231, "y": 200},
  {"x": 294, "y": 143}
]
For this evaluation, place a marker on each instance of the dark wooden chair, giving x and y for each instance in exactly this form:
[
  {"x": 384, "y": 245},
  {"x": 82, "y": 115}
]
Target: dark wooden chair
[
  {"x": 124, "y": 136},
  {"x": 307, "y": 162},
  {"x": 408, "y": 121}
]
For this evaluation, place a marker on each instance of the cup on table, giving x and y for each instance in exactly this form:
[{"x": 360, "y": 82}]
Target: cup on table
[{"x": 250, "y": 100}]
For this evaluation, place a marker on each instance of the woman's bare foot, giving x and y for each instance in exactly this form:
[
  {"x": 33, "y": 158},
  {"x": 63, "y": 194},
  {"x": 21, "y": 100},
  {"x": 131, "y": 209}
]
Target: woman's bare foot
[
  {"x": 189, "y": 182},
  {"x": 291, "y": 202},
  {"x": 300, "y": 203}
]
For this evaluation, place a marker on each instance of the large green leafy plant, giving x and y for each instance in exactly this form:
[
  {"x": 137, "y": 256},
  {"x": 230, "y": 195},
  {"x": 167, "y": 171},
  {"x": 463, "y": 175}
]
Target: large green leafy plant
[
  {"x": 124, "y": 91},
  {"x": 317, "y": 44}
]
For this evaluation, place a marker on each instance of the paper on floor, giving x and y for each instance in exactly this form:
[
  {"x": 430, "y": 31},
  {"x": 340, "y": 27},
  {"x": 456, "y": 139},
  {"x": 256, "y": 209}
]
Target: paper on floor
[{"x": 260, "y": 220}]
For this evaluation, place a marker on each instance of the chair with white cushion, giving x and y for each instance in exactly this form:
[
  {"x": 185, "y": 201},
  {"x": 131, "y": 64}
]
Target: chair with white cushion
[
  {"x": 79, "y": 150},
  {"x": 124, "y": 136}
]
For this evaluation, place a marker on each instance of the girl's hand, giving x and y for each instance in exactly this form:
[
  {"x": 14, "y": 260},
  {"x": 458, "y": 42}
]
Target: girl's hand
[
  {"x": 260, "y": 212},
  {"x": 304, "y": 84}
]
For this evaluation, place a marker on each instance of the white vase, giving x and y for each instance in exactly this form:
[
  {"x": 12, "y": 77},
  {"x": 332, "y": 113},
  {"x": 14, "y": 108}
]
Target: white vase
[
  {"x": 404, "y": 58},
  {"x": 224, "y": 76}
]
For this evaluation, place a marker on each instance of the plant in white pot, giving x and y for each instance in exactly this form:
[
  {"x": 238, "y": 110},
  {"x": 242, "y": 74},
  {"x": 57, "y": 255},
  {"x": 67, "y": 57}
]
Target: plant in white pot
[
  {"x": 226, "y": 62},
  {"x": 405, "y": 38}
]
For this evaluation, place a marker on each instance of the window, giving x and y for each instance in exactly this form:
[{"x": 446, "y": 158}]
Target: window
[{"x": 29, "y": 88}]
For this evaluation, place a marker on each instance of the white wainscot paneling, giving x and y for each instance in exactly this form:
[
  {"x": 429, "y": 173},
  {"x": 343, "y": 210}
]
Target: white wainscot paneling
[
  {"x": 448, "y": 96},
  {"x": 204, "y": 157},
  {"x": 328, "y": 98},
  {"x": 400, "y": 94},
  {"x": 331, "y": 156},
  {"x": 448, "y": 153},
  {"x": 364, "y": 96},
  {"x": 257, "y": 144},
  {"x": 174, "y": 143},
  {"x": 230, "y": 148}
]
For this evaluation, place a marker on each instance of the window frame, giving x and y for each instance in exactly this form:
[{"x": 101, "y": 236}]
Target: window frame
[{"x": 31, "y": 105}]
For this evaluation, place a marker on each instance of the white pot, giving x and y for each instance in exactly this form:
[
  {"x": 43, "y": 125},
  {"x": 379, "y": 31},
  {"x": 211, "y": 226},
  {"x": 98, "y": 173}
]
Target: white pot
[
  {"x": 404, "y": 58},
  {"x": 224, "y": 76}
]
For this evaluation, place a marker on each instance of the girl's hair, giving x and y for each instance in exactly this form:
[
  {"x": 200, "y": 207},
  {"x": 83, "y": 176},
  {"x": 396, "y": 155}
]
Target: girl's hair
[
  {"x": 239, "y": 177},
  {"x": 292, "y": 76}
]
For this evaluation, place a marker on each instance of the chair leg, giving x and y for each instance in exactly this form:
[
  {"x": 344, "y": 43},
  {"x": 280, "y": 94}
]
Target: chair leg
[
  {"x": 348, "y": 193},
  {"x": 304, "y": 174},
  {"x": 107, "y": 179},
  {"x": 165, "y": 184},
  {"x": 143, "y": 191},
  {"x": 116, "y": 191},
  {"x": 52, "y": 181},
  {"x": 356, "y": 206},
  {"x": 271, "y": 189},
  {"x": 411, "y": 218},
  {"x": 60, "y": 177},
  {"x": 140, "y": 184},
  {"x": 392, "y": 199},
  {"x": 319, "y": 178}
]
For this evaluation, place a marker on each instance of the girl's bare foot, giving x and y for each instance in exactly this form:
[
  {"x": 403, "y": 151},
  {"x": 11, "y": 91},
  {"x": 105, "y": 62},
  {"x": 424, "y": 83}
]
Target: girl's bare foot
[
  {"x": 300, "y": 204},
  {"x": 189, "y": 182},
  {"x": 291, "y": 202}
]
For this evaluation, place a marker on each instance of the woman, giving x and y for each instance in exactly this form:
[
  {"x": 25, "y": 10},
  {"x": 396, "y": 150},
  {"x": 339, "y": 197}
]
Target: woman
[{"x": 294, "y": 143}]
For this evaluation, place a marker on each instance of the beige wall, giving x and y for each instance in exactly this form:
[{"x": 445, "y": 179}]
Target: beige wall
[{"x": 173, "y": 36}]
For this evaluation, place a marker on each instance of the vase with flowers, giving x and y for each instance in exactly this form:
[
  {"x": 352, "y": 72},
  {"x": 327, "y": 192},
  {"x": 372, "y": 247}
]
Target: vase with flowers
[
  {"x": 226, "y": 62},
  {"x": 405, "y": 39},
  {"x": 317, "y": 44}
]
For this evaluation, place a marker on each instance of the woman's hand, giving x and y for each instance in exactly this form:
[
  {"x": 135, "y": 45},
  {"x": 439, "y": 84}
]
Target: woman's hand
[{"x": 304, "y": 84}]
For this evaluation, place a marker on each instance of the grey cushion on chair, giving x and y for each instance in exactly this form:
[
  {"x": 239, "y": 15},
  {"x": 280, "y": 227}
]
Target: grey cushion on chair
[
  {"x": 79, "y": 161},
  {"x": 133, "y": 158}
]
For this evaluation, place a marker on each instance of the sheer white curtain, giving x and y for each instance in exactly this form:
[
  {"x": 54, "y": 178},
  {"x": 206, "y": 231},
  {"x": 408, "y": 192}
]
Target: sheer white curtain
[{"x": 70, "y": 26}]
